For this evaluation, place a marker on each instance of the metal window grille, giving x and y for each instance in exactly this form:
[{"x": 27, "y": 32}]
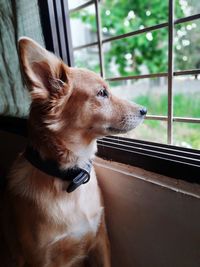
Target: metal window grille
[{"x": 170, "y": 74}]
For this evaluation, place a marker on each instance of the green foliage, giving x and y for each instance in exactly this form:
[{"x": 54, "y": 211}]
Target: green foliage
[
  {"x": 146, "y": 52},
  {"x": 185, "y": 134},
  {"x": 184, "y": 105},
  {"x": 187, "y": 105},
  {"x": 126, "y": 16},
  {"x": 187, "y": 46},
  {"x": 157, "y": 104}
]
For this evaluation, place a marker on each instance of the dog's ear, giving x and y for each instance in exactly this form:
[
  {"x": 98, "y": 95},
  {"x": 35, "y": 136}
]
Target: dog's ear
[{"x": 46, "y": 75}]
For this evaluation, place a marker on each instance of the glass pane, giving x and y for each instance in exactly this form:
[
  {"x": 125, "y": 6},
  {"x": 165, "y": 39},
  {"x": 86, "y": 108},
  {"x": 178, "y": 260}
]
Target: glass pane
[
  {"x": 141, "y": 54},
  {"x": 83, "y": 26},
  {"x": 87, "y": 58},
  {"x": 120, "y": 16},
  {"x": 151, "y": 93},
  {"x": 187, "y": 45},
  {"x": 187, "y": 96},
  {"x": 76, "y": 3},
  {"x": 150, "y": 130},
  {"x": 184, "y": 8},
  {"x": 187, "y": 134}
]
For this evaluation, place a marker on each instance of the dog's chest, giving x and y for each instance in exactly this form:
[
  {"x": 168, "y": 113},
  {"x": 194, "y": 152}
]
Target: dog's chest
[{"x": 80, "y": 215}]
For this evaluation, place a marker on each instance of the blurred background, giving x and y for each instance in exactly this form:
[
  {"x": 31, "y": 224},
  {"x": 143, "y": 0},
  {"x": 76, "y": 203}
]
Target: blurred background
[{"x": 142, "y": 54}]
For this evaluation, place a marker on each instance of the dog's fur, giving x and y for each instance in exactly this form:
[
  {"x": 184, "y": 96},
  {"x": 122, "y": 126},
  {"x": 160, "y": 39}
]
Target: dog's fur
[{"x": 44, "y": 226}]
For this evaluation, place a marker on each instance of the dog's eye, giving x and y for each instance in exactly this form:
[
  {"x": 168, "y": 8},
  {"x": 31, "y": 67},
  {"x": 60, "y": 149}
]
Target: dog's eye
[{"x": 103, "y": 93}]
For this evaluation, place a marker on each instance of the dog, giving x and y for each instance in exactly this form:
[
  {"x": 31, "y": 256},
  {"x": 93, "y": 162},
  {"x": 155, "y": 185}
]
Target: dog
[{"x": 53, "y": 209}]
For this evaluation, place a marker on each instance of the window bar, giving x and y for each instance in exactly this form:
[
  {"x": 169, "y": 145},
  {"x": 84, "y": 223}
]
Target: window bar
[
  {"x": 156, "y": 117},
  {"x": 187, "y": 19},
  {"x": 58, "y": 11},
  {"x": 129, "y": 34},
  {"x": 85, "y": 46},
  {"x": 67, "y": 31},
  {"x": 154, "y": 75},
  {"x": 142, "y": 76},
  {"x": 170, "y": 71},
  {"x": 185, "y": 119},
  {"x": 53, "y": 27},
  {"x": 99, "y": 37},
  {"x": 175, "y": 119},
  {"x": 187, "y": 72}
]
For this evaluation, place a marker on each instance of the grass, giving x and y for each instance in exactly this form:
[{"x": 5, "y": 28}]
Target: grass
[
  {"x": 185, "y": 134},
  {"x": 184, "y": 105}
]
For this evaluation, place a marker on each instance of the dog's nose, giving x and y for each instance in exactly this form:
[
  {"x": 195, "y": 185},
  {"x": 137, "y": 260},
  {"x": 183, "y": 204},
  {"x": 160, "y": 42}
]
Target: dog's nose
[{"x": 143, "y": 111}]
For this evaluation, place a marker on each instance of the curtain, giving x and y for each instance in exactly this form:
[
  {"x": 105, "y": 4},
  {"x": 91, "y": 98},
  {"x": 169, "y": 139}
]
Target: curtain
[{"x": 17, "y": 18}]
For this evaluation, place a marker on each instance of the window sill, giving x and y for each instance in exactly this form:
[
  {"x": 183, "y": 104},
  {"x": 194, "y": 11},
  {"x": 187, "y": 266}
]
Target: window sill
[
  {"x": 177, "y": 162},
  {"x": 150, "y": 177}
]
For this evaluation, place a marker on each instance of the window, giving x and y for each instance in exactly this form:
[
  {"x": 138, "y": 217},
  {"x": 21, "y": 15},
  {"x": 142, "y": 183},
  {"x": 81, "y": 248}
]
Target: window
[{"x": 147, "y": 52}]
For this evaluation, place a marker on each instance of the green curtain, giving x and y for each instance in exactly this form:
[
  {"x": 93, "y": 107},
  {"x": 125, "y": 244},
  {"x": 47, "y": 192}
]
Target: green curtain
[{"x": 17, "y": 18}]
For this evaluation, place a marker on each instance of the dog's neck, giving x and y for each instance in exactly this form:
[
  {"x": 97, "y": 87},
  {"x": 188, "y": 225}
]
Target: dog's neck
[
  {"x": 74, "y": 176},
  {"x": 78, "y": 154},
  {"x": 67, "y": 154}
]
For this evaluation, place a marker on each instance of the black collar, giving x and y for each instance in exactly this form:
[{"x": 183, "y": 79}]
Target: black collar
[{"x": 77, "y": 176}]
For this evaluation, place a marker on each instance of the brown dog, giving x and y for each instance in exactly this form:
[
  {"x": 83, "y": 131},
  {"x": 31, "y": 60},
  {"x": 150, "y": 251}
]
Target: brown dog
[{"x": 52, "y": 219}]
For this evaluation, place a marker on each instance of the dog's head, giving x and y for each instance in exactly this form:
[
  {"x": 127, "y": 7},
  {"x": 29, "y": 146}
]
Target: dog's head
[{"x": 72, "y": 102}]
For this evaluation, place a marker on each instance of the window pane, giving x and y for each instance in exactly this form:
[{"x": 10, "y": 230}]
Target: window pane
[
  {"x": 119, "y": 16},
  {"x": 187, "y": 134},
  {"x": 83, "y": 26},
  {"x": 187, "y": 96},
  {"x": 76, "y": 3},
  {"x": 150, "y": 130},
  {"x": 141, "y": 54},
  {"x": 87, "y": 58},
  {"x": 184, "y": 8},
  {"x": 187, "y": 45},
  {"x": 151, "y": 93}
]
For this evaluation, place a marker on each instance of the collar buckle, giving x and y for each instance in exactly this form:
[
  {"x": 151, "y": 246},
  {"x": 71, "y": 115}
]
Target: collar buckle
[{"x": 82, "y": 178}]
